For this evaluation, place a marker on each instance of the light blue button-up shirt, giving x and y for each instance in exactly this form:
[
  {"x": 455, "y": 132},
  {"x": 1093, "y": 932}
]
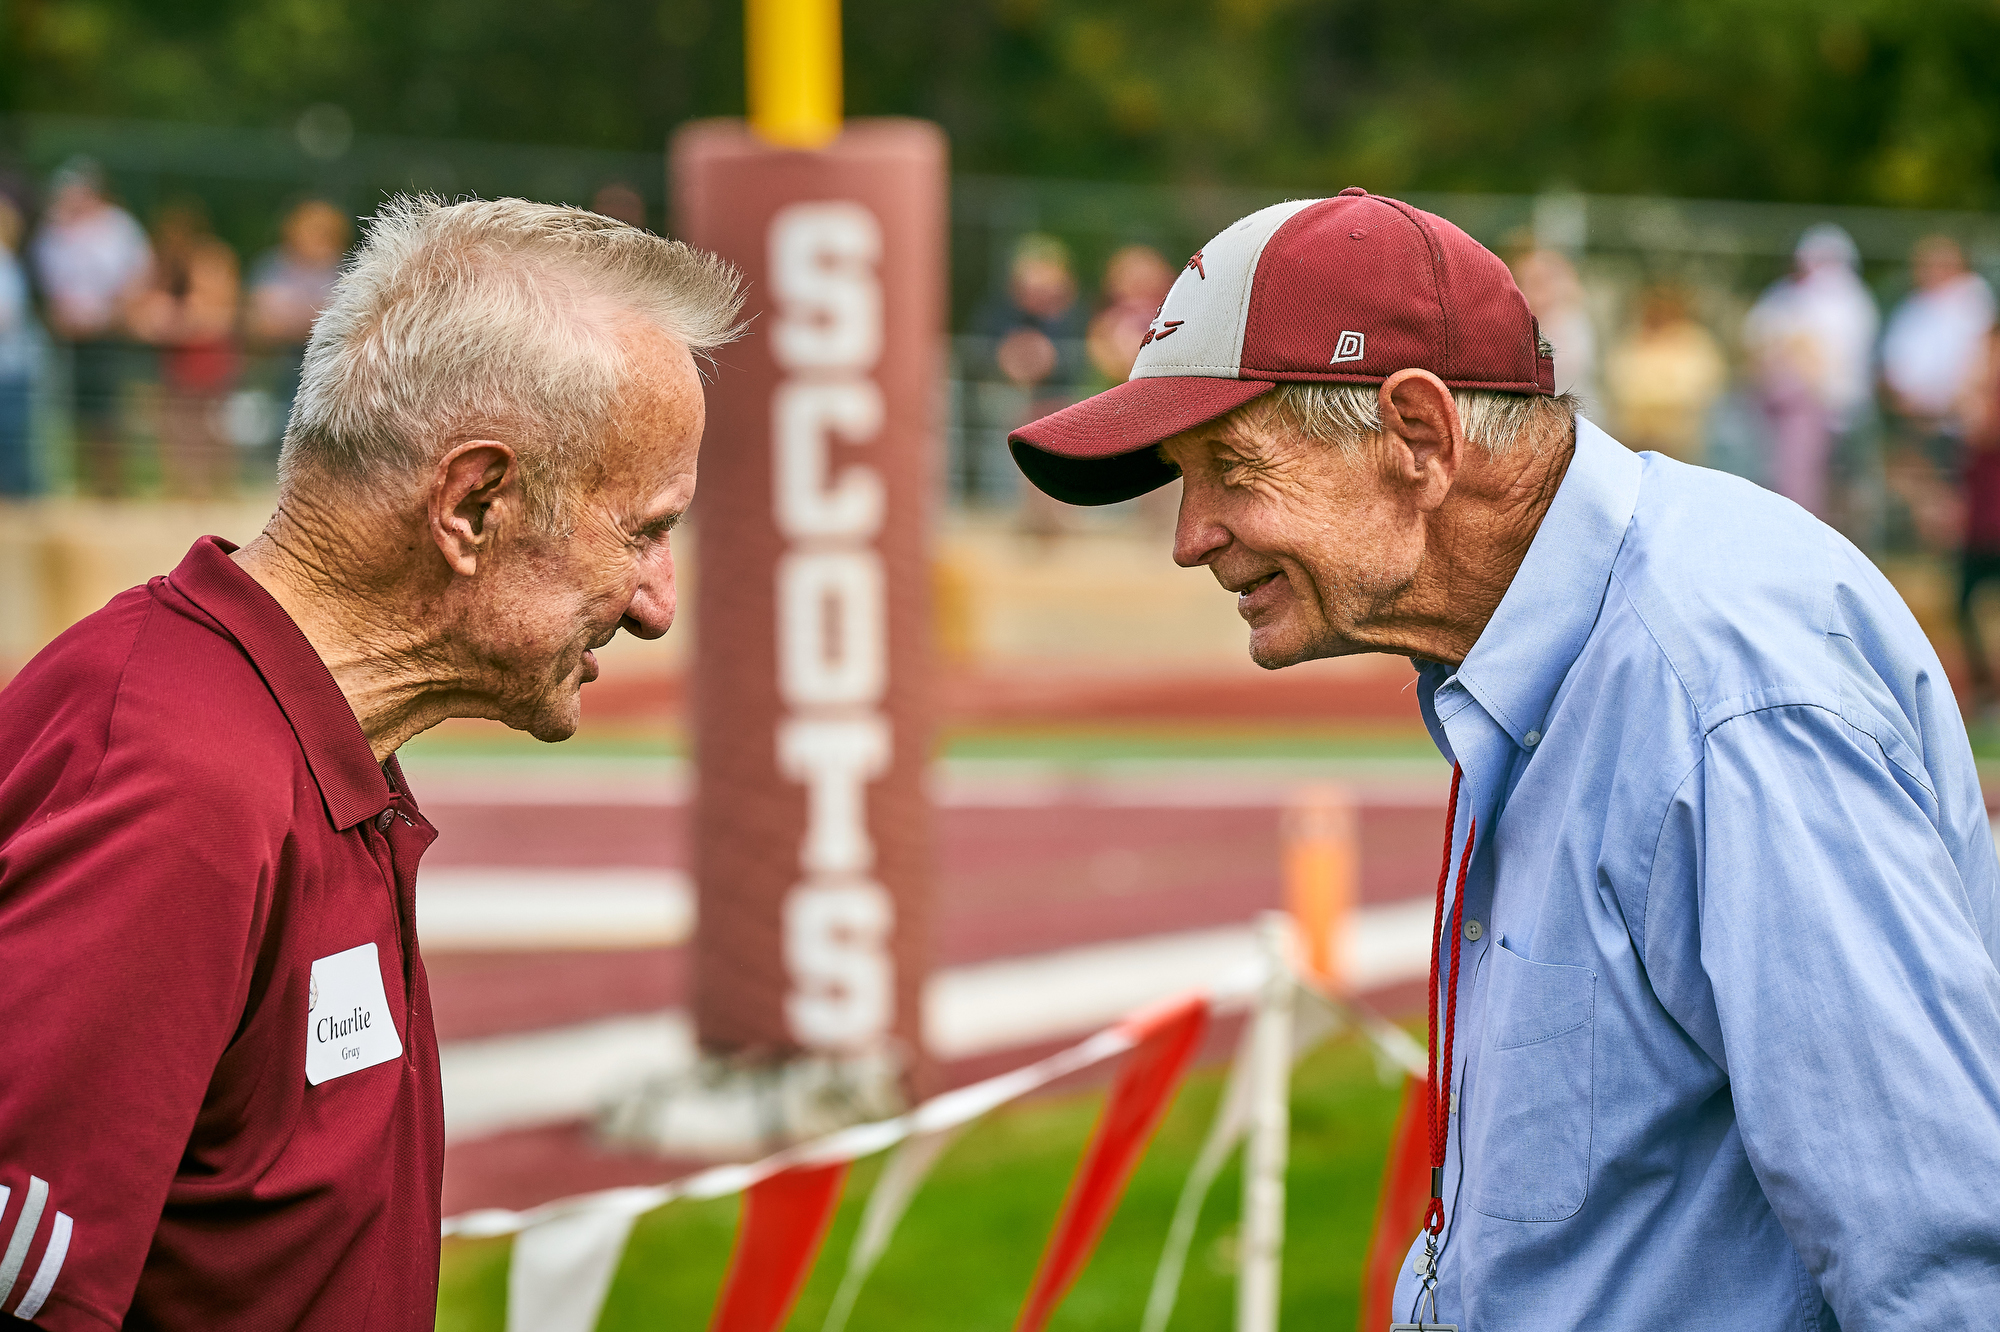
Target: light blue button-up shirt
[{"x": 1729, "y": 1039}]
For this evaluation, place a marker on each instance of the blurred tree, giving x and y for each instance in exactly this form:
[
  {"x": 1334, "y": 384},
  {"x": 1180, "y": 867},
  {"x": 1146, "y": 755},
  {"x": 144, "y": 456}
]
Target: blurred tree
[
  {"x": 1822, "y": 100},
  {"x": 605, "y": 73}
]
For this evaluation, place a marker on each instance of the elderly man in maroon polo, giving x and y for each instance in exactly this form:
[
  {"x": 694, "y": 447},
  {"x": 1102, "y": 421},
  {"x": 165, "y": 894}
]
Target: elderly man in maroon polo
[{"x": 221, "y": 1104}]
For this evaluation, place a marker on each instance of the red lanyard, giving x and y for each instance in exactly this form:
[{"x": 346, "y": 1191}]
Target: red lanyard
[{"x": 1440, "y": 1106}]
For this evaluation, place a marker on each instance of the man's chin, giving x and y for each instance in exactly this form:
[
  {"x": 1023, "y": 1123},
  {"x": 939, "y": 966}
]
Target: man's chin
[
  {"x": 1274, "y": 651},
  {"x": 554, "y": 717},
  {"x": 550, "y": 730},
  {"x": 1277, "y": 644}
]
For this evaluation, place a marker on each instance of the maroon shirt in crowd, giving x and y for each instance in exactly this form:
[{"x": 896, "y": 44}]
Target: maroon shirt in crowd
[
  {"x": 1982, "y": 500},
  {"x": 190, "y": 818}
]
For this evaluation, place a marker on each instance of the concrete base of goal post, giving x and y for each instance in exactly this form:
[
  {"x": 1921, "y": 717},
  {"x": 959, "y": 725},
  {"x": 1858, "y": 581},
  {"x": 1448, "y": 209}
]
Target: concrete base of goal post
[
  {"x": 812, "y": 713},
  {"x": 1322, "y": 872}
]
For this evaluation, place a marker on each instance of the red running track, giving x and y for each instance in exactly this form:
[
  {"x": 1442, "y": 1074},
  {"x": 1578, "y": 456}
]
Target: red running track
[{"x": 1013, "y": 881}]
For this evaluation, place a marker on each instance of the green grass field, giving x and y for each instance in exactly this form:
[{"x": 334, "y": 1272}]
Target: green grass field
[
  {"x": 1055, "y": 743},
  {"x": 968, "y": 1247}
]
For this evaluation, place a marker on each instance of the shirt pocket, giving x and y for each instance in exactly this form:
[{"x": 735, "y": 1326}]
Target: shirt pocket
[{"x": 1530, "y": 1119}]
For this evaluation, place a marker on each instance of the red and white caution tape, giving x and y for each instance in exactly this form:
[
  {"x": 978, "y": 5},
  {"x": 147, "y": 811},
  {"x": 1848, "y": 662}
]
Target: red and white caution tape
[
  {"x": 561, "y": 1269},
  {"x": 1169, "y": 1037},
  {"x": 901, "y": 1176},
  {"x": 785, "y": 1217},
  {"x": 566, "y": 1252}
]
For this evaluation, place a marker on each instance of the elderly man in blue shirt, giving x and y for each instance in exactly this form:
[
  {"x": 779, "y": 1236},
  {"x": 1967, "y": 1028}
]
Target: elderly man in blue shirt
[{"x": 1717, "y": 1019}]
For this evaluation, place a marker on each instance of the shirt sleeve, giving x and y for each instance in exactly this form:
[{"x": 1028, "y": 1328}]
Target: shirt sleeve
[
  {"x": 127, "y": 943},
  {"x": 1859, "y": 1014}
]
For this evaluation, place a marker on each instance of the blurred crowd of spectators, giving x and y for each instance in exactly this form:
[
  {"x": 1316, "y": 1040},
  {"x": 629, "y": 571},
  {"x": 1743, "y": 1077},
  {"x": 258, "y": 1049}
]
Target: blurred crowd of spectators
[
  {"x": 1889, "y": 429},
  {"x": 163, "y": 367},
  {"x": 1874, "y": 426},
  {"x": 93, "y": 305}
]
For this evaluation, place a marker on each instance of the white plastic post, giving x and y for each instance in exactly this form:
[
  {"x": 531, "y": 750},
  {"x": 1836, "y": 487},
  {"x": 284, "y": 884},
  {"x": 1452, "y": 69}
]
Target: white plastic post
[
  {"x": 1261, "y": 1242},
  {"x": 1231, "y": 1118}
]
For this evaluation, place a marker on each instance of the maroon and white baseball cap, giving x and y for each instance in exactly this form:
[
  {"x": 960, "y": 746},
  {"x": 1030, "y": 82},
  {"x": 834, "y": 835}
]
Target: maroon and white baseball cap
[{"x": 1347, "y": 290}]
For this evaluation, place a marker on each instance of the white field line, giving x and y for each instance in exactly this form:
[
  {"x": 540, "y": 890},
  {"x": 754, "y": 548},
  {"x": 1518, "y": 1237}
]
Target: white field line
[
  {"x": 466, "y": 909},
  {"x": 544, "y": 1077},
  {"x": 504, "y": 1082},
  {"x": 461, "y": 909},
  {"x": 975, "y": 784},
  {"x": 1019, "y": 1001}
]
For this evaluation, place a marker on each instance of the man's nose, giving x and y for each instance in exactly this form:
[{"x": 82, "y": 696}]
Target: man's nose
[
  {"x": 1198, "y": 538},
  {"x": 651, "y": 612}
]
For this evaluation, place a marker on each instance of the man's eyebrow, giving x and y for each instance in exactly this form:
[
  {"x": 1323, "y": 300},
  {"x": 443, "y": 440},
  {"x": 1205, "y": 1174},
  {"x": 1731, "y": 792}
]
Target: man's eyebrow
[{"x": 1220, "y": 452}]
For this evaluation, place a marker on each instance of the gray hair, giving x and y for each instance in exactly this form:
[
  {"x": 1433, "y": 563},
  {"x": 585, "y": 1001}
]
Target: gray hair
[
  {"x": 1345, "y": 413},
  {"x": 490, "y": 316}
]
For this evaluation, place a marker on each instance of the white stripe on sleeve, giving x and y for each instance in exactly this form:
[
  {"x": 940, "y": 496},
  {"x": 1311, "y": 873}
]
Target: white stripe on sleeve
[
  {"x": 24, "y": 1233},
  {"x": 51, "y": 1268}
]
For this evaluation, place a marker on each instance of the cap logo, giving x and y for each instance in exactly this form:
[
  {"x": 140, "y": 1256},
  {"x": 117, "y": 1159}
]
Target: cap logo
[
  {"x": 1351, "y": 347},
  {"x": 1195, "y": 264},
  {"x": 1165, "y": 330}
]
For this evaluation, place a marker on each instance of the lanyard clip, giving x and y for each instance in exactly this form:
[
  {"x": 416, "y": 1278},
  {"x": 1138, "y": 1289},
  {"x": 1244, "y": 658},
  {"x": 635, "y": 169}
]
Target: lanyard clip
[{"x": 1426, "y": 1310}]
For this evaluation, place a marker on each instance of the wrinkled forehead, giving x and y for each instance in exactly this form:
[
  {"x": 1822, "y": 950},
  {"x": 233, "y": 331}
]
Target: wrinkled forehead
[
  {"x": 1244, "y": 432},
  {"x": 652, "y": 431},
  {"x": 660, "y": 396}
]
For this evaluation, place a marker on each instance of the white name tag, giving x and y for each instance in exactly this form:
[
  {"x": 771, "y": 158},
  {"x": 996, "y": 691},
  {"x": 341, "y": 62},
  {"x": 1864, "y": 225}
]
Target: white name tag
[{"x": 348, "y": 1027}]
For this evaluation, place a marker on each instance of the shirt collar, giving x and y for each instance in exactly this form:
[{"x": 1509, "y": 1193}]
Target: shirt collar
[
  {"x": 351, "y": 784},
  {"x": 1543, "y": 621}
]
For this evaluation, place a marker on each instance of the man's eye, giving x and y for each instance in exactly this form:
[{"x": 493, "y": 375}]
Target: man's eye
[{"x": 654, "y": 532}]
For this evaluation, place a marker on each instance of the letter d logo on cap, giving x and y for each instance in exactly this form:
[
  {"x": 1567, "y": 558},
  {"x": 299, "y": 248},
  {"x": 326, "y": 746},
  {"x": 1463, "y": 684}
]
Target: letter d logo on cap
[{"x": 1349, "y": 348}]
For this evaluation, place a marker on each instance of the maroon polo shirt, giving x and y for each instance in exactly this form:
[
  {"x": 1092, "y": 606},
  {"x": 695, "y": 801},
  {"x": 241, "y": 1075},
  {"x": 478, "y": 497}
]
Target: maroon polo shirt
[{"x": 190, "y": 818}]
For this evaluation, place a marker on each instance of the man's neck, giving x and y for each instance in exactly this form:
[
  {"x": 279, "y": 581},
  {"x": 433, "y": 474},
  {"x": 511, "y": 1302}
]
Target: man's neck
[
  {"x": 390, "y": 675},
  {"x": 1477, "y": 541}
]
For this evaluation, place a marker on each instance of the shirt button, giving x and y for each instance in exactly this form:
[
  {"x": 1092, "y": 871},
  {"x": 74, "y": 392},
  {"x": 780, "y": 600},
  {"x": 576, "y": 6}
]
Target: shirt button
[
  {"x": 1473, "y": 929},
  {"x": 1533, "y": 738},
  {"x": 384, "y": 819}
]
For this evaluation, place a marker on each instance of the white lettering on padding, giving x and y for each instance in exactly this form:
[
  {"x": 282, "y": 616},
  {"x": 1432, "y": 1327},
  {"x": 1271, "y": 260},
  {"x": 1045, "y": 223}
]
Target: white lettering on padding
[
  {"x": 836, "y": 948},
  {"x": 823, "y": 258},
  {"x": 832, "y": 615},
  {"x": 830, "y": 628},
  {"x": 804, "y": 417}
]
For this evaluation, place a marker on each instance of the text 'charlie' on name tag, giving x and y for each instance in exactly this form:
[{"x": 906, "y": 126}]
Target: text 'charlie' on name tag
[{"x": 348, "y": 1027}]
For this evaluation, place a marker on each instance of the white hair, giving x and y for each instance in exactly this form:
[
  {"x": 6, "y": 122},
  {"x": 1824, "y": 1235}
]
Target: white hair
[
  {"x": 501, "y": 317},
  {"x": 1343, "y": 414}
]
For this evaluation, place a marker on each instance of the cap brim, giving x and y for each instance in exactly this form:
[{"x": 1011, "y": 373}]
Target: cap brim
[{"x": 1100, "y": 451}]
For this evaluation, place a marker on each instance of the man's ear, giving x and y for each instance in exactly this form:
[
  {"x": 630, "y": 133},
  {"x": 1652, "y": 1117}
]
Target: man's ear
[
  {"x": 472, "y": 486},
  {"x": 1421, "y": 430}
]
